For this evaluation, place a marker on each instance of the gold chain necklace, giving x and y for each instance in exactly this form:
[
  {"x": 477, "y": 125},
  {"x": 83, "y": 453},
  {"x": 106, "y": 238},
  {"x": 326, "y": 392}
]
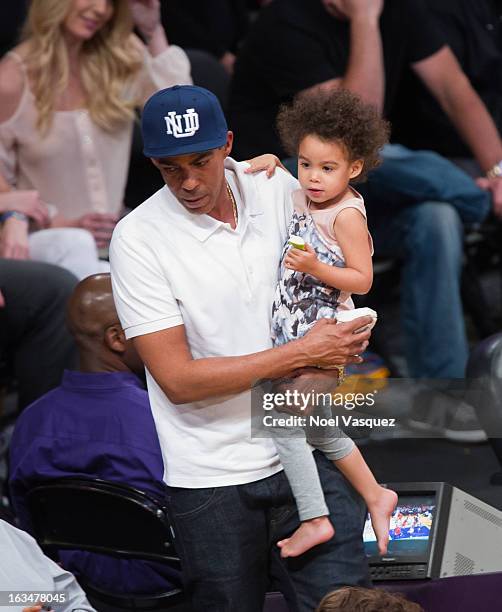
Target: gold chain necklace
[{"x": 234, "y": 204}]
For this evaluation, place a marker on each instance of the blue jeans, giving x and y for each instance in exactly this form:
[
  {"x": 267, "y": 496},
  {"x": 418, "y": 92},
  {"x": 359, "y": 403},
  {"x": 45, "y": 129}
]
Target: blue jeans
[
  {"x": 226, "y": 538},
  {"x": 428, "y": 237}
]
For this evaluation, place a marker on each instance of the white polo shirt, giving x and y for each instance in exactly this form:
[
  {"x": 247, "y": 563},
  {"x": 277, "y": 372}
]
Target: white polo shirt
[{"x": 171, "y": 267}]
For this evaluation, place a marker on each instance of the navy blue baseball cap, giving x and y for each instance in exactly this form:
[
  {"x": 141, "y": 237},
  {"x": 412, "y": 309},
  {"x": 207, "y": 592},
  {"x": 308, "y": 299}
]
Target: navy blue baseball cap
[{"x": 182, "y": 119}]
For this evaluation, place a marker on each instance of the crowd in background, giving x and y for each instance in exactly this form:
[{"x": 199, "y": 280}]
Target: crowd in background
[{"x": 70, "y": 92}]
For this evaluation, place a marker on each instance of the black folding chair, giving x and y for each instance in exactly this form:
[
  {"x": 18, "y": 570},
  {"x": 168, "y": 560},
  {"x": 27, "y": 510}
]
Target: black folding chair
[{"x": 109, "y": 519}]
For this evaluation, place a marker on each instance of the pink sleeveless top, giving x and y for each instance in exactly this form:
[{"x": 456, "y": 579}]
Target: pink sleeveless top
[{"x": 324, "y": 220}]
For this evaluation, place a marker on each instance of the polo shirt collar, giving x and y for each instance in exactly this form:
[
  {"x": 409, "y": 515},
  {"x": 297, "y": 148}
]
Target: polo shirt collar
[{"x": 203, "y": 226}]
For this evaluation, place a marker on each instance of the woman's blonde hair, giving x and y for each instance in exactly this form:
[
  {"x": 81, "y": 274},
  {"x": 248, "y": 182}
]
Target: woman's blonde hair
[{"x": 108, "y": 61}]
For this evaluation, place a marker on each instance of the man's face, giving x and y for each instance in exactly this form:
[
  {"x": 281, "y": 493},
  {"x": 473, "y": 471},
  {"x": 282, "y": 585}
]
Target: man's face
[{"x": 197, "y": 179}]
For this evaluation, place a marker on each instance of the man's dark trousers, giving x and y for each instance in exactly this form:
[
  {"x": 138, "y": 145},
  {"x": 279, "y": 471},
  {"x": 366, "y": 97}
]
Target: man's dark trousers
[{"x": 226, "y": 538}]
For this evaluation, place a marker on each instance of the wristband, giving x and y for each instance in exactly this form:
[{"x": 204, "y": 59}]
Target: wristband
[
  {"x": 13, "y": 213},
  {"x": 495, "y": 171}
]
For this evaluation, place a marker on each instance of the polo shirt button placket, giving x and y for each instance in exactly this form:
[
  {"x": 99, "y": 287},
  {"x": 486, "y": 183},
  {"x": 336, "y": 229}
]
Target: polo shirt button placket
[
  {"x": 252, "y": 284},
  {"x": 248, "y": 274}
]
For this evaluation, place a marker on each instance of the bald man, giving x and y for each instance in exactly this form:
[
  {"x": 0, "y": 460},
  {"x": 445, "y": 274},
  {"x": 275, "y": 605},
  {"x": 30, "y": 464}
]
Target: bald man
[{"x": 97, "y": 424}]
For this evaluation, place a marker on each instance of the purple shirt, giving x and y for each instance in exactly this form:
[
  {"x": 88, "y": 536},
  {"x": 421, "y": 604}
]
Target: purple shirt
[{"x": 95, "y": 425}]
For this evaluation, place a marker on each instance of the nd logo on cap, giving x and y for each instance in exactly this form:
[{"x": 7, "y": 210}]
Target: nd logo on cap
[
  {"x": 175, "y": 127},
  {"x": 182, "y": 119}
]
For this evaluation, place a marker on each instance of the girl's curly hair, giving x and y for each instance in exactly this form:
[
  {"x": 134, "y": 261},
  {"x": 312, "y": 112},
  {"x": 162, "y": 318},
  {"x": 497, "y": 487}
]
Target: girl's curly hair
[{"x": 335, "y": 116}]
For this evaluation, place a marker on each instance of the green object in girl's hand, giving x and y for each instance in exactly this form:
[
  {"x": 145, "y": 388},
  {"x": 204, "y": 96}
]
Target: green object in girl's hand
[{"x": 297, "y": 242}]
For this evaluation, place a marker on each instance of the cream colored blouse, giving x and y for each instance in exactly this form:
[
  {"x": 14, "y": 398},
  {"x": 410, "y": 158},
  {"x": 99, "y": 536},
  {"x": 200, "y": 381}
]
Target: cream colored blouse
[{"x": 78, "y": 167}]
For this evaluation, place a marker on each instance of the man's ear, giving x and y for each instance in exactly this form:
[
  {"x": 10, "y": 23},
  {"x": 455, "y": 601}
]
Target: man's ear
[
  {"x": 115, "y": 338},
  {"x": 356, "y": 168},
  {"x": 228, "y": 145}
]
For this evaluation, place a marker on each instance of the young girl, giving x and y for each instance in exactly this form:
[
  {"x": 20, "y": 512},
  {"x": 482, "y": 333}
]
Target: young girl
[{"x": 337, "y": 139}]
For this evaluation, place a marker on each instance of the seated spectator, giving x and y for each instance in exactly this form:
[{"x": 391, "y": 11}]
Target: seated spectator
[
  {"x": 216, "y": 27},
  {"x": 67, "y": 98},
  {"x": 33, "y": 298},
  {"x": 97, "y": 424},
  {"x": 356, "y": 599},
  {"x": 473, "y": 31},
  {"x": 25, "y": 568}
]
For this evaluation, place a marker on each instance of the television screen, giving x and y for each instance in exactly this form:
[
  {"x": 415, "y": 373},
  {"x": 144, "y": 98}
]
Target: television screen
[{"x": 410, "y": 528}]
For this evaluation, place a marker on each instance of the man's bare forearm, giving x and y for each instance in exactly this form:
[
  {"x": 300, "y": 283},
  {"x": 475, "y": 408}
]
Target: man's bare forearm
[
  {"x": 167, "y": 356},
  {"x": 218, "y": 376},
  {"x": 469, "y": 115},
  {"x": 444, "y": 77},
  {"x": 192, "y": 380},
  {"x": 365, "y": 74}
]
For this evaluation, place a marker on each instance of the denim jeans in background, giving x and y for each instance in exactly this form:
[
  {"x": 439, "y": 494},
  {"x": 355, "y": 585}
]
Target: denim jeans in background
[
  {"x": 226, "y": 538},
  {"x": 416, "y": 203},
  {"x": 428, "y": 238}
]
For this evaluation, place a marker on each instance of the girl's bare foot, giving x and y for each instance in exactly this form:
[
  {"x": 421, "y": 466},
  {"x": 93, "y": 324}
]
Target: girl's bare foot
[
  {"x": 381, "y": 510},
  {"x": 309, "y": 534}
]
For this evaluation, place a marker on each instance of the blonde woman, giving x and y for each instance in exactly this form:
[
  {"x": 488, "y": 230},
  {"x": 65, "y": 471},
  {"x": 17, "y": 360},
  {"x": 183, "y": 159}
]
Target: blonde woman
[{"x": 67, "y": 99}]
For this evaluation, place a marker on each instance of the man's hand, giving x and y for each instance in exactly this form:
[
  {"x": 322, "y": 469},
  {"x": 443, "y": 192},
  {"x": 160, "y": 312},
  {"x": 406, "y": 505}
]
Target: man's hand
[
  {"x": 302, "y": 261},
  {"x": 330, "y": 343},
  {"x": 14, "y": 239},
  {"x": 27, "y": 202},
  {"x": 354, "y": 9},
  {"x": 101, "y": 226},
  {"x": 267, "y": 162},
  {"x": 146, "y": 16},
  {"x": 493, "y": 185}
]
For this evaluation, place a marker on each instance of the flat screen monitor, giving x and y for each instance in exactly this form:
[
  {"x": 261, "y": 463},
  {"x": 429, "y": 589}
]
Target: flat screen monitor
[
  {"x": 410, "y": 528},
  {"x": 436, "y": 530},
  {"x": 419, "y": 518}
]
